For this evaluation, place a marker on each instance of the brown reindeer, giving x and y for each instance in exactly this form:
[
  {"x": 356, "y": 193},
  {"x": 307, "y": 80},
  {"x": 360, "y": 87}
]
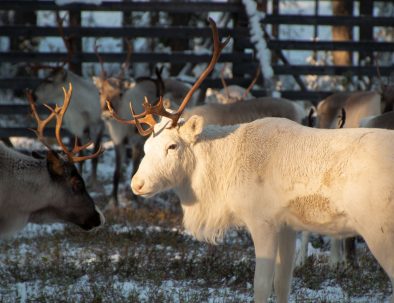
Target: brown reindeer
[{"x": 45, "y": 189}]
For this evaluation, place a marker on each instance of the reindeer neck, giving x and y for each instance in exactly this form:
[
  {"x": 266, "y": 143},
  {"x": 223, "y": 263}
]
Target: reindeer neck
[
  {"x": 204, "y": 197},
  {"x": 78, "y": 81},
  {"x": 22, "y": 179}
]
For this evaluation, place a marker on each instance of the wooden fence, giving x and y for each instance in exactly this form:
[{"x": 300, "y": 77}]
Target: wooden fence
[{"x": 241, "y": 56}]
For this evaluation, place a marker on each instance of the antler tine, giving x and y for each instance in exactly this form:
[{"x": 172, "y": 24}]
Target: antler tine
[
  {"x": 41, "y": 124},
  {"x": 224, "y": 83},
  {"x": 252, "y": 83},
  {"x": 160, "y": 83},
  {"x": 126, "y": 63},
  {"x": 66, "y": 40},
  {"x": 145, "y": 117},
  {"x": 77, "y": 148},
  {"x": 59, "y": 112}
]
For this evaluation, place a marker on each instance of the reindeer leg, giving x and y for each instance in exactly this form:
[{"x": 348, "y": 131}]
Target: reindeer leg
[
  {"x": 350, "y": 251},
  {"x": 137, "y": 155},
  {"x": 284, "y": 263},
  {"x": 302, "y": 254},
  {"x": 97, "y": 143},
  {"x": 119, "y": 157},
  {"x": 336, "y": 253},
  {"x": 265, "y": 239}
]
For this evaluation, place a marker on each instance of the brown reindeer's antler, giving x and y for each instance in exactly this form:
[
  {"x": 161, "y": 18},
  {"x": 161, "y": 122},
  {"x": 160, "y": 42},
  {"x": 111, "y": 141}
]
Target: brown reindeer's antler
[
  {"x": 66, "y": 40},
  {"x": 144, "y": 118},
  {"x": 249, "y": 88},
  {"x": 224, "y": 83},
  {"x": 159, "y": 109},
  {"x": 125, "y": 65},
  {"x": 41, "y": 124},
  {"x": 103, "y": 74},
  {"x": 58, "y": 113}
]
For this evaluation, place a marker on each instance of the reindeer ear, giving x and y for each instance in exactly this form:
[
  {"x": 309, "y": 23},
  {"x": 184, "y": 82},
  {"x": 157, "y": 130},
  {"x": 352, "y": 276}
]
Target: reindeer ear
[
  {"x": 97, "y": 81},
  {"x": 192, "y": 128},
  {"x": 37, "y": 155},
  {"x": 55, "y": 164}
]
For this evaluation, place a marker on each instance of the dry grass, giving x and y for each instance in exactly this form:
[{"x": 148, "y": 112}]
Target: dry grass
[{"x": 142, "y": 254}]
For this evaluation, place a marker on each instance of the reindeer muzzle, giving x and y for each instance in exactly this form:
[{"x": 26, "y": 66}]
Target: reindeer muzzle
[{"x": 96, "y": 220}]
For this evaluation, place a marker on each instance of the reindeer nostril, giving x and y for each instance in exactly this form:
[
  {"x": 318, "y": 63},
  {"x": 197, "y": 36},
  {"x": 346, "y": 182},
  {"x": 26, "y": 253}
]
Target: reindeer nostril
[
  {"x": 137, "y": 184},
  {"x": 140, "y": 185}
]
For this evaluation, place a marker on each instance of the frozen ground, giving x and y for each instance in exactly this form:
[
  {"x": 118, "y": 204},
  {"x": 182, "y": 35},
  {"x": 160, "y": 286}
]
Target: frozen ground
[{"x": 143, "y": 254}]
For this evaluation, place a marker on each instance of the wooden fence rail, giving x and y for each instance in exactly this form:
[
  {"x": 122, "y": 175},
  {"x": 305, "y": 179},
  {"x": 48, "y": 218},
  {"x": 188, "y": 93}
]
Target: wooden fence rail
[{"x": 240, "y": 56}]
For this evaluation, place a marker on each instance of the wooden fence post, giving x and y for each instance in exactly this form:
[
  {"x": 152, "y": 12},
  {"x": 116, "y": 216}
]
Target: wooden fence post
[{"x": 75, "y": 42}]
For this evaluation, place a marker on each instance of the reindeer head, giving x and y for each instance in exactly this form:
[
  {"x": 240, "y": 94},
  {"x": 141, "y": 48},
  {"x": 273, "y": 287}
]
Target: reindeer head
[
  {"x": 73, "y": 203},
  {"x": 167, "y": 148},
  {"x": 112, "y": 88},
  {"x": 168, "y": 156}
]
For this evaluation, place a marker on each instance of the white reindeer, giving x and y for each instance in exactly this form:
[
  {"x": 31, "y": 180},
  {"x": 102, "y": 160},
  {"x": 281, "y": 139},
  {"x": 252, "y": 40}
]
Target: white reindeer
[
  {"x": 273, "y": 177},
  {"x": 83, "y": 116},
  {"x": 120, "y": 95},
  {"x": 40, "y": 190}
]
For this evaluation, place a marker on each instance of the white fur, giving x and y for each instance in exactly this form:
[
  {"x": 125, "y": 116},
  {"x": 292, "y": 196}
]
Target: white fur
[{"x": 274, "y": 176}]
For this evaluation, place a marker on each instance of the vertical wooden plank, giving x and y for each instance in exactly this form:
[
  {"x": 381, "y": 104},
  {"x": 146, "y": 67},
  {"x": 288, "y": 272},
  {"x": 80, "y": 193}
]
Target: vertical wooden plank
[
  {"x": 21, "y": 43},
  {"x": 179, "y": 44},
  {"x": 342, "y": 32},
  {"x": 366, "y": 31},
  {"x": 75, "y": 42},
  {"x": 315, "y": 28},
  {"x": 240, "y": 19}
]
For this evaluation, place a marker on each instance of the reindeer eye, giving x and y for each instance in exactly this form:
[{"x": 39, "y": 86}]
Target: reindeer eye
[
  {"x": 77, "y": 185},
  {"x": 172, "y": 146}
]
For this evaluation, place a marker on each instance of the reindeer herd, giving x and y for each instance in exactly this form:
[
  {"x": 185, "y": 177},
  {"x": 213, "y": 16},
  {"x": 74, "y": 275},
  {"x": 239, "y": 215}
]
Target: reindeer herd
[{"x": 249, "y": 164}]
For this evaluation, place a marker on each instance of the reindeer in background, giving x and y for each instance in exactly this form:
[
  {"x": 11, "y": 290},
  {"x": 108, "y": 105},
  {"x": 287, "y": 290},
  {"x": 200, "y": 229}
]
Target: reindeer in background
[
  {"x": 83, "y": 116},
  {"x": 120, "y": 91},
  {"x": 230, "y": 93}
]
